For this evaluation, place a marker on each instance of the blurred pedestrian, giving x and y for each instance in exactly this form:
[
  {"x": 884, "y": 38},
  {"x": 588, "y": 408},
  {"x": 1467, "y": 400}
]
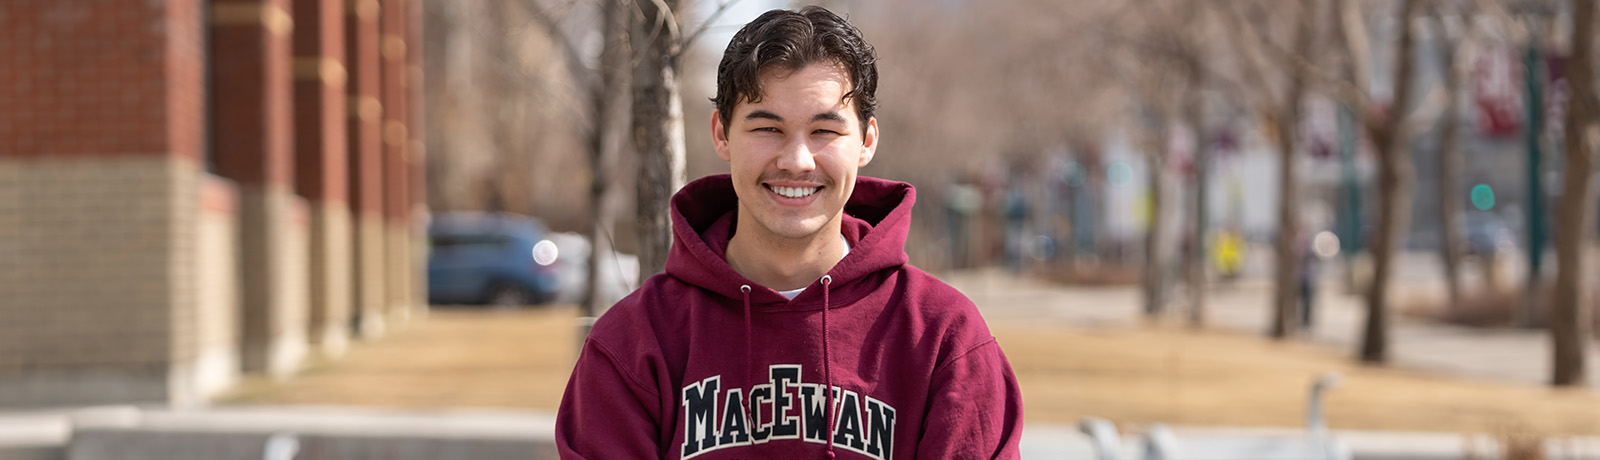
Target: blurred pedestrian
[
  {"x": 962, "y": 201},
  {"x": 1310, "y": 271},
  {"x": 788, "y": 324},
  {"x": 1016, "y": 237},
  {"x": 1229, "y": 254}
]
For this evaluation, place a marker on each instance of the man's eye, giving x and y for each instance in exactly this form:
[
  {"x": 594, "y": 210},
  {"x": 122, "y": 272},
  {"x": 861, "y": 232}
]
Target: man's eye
[
  {"x": 766, "y": 130},
  {"x": 827, "y": 131}
]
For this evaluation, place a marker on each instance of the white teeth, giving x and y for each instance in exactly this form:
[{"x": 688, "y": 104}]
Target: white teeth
[{"x": 795, "y": 192}]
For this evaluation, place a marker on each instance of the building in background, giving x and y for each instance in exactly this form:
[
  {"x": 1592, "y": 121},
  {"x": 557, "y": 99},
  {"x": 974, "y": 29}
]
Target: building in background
[{"x": 195, "y": 189}]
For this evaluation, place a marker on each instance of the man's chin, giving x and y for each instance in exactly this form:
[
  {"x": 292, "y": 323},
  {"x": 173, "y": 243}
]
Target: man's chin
[{"x": 795, "y": 229}]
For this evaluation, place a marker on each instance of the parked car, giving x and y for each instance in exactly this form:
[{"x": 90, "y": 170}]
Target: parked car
[{"x": 491, "y": 258}]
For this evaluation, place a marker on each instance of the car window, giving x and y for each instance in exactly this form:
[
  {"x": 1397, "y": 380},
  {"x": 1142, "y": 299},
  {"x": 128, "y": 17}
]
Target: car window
[{"x": 451, "y": 242}]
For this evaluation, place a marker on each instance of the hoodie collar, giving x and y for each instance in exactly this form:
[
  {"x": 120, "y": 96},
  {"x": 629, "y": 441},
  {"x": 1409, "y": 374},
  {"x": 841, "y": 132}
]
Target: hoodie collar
[{"x": 876, "y": 222}]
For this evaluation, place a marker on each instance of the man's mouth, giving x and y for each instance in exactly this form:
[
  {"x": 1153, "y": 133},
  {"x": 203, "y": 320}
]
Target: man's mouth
[{"x": 793, "y": 192}]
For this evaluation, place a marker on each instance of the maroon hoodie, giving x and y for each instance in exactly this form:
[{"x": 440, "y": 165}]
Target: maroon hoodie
[{"x": 700, "y": 362}]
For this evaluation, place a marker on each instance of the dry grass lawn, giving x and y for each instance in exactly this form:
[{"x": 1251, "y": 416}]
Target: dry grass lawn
[{"x": 521, "y": 359}]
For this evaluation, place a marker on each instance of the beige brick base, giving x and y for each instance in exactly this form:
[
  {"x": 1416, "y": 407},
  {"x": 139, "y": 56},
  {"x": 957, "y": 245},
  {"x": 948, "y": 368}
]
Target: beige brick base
[
  {"x": 99, "y": 282},
  {"x": 419, "y": 268},
  {"x": 367, "y": 289},
  {"x": 216, "y": 275},
  {"x": 397, "y": 272},
  {"x": 330, "y": 276},
  {"x": 272, "y": 260}
]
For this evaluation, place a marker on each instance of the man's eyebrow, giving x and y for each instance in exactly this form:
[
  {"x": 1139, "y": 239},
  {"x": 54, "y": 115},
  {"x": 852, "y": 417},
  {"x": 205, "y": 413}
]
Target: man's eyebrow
[
  {"x": 829, "y": 116},
  {"x": 762, "y": 114}
]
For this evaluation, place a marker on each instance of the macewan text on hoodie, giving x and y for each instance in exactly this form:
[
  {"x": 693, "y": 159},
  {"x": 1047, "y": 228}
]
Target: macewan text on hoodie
[{"x": 876, "y": 359}]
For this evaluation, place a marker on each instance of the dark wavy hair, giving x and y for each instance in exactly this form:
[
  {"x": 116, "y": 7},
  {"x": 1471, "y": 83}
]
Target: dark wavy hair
[{"x": 791, "y": 40}]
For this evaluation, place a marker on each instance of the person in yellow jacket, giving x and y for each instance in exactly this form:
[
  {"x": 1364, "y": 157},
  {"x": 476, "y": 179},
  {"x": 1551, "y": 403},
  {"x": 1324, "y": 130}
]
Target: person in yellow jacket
[{"x": 1229, "y": 253}]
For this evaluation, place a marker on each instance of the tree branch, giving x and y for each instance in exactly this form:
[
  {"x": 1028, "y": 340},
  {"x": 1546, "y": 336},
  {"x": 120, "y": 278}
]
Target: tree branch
[{"x": 722, "y": 7}]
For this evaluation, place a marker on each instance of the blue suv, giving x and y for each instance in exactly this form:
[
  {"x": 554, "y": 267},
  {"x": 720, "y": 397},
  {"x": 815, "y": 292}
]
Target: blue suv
[{"x": 491, "y": 258}]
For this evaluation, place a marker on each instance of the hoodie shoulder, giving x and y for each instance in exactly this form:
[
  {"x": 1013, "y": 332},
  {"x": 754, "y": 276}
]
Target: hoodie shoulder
[
  {"x": 939, "y": 294},
  {"x": 945, "y": 311},
  {"x": 637, "y": 314},
  {"x": 637, "y": 325}
]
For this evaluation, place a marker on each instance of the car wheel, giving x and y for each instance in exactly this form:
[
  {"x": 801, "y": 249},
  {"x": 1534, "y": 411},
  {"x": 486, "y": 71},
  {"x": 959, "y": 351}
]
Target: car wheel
[{"x": 509, "y": 295}]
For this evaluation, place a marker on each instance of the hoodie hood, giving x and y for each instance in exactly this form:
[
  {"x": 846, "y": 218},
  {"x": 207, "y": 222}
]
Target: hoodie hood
[{"x": 876, "y": 221}]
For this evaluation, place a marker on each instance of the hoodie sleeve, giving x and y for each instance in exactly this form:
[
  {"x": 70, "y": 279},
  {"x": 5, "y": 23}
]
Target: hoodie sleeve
[
  {"x": 975, "y": 408},
  {"x": 606, "y": 412}
]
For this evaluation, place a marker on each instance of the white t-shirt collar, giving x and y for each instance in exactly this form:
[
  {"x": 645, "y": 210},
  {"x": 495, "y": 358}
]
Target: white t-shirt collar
[{"x": 791, "y": 294}]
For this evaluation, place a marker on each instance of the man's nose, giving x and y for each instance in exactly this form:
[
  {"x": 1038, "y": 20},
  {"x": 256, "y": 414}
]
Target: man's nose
[{"x": 796, "y": 156}]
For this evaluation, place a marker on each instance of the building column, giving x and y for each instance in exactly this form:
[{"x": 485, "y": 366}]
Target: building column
[
  {"x": 398, "y": 241},
  {"x": 365, "y": 121},
  {"x": 417, "y": 159},
  {"x": 321, "y": 151},
  {"x": 101, "y": 145},
  {"x": 253, "y": 145}
]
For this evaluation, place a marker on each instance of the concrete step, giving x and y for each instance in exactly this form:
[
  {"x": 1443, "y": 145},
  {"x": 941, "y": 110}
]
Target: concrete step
[
  {"x": 300, "y": 433},
  {"x": 1065, "y": 441},
  {"x": 34, "y": 435}
]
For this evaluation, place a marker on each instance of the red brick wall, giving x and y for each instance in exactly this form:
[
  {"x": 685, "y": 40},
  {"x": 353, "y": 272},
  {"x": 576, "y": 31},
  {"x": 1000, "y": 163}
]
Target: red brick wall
[
  {"x": 321, "y": 146},
  {"x": 185, "y": 68},
  {"x": 365, "y": 111},
  {"x": 100, "y": 77},
  {"x": 417, "y": 151},
  {"x": 394, "y": 67},
  {"x": 251, "y": 91}
]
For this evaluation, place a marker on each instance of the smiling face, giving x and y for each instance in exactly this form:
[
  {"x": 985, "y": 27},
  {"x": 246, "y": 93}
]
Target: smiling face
[{"x": 794, "y": 154}]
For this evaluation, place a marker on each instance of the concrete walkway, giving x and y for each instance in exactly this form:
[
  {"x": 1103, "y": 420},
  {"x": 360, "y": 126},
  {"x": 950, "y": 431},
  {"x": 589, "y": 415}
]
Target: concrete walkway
[{"x": 1505, "y": 355}]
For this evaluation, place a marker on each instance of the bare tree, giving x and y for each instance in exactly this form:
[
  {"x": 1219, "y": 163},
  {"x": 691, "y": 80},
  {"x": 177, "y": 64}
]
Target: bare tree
[
  {"x": 657, "y": 127},
  {"x": 603, "y": 123},
  {"x": 607, "y": 144},
  {"x": 1197, "y": 56},
  {"x": 1450, "y": 41},
  {"x": 1390, "y": 134},
  {"x": 1388, "y": 126},
  {"x": 1280, "y": 101},
  {"x": 1570, "y": 315},
  {"x": 1153, "y": 66},
  {"x": 1158, "y": 129},
  {"x": 1286, "y": 288},
  {"x": 658, "y": 46}
]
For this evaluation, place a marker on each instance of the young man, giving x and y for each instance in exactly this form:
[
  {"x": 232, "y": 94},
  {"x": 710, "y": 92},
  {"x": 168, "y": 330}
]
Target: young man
[{"x": 788, "y": 324}]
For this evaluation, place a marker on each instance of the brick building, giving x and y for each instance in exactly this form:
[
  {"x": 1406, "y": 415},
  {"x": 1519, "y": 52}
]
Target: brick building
[{"x": 195, "y": 189}]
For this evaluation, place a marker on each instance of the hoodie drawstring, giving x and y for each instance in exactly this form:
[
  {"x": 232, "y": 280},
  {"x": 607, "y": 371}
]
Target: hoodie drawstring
[
  {"x": 827, "y": 362},
  {"x": 749, "y": 359}
]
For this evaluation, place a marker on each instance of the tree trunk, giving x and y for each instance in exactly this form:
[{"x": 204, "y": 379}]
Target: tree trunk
[
  {"x": 657, "y": 129},
  {"x": 1569, "y": 322},
  {"x": 1449, "y": 184},
  {"x": 1155, "y": 251},
  {"x": 606, "y": 144},
  {"x": 1286, "y": 287},
  {"x": 1394, "y": 200},
  {"x": 1201, "y": 162},
  {"x": 1394, "y": 191}
]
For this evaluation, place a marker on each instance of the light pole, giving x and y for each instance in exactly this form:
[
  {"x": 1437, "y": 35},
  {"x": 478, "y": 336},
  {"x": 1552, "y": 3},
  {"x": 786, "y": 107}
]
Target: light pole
[{"x": 1536, "y": 13}]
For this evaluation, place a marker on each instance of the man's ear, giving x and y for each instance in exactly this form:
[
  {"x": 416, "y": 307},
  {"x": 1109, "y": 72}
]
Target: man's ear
[
  {"x": 869, "y": 142},
  {"x": 719, "y": 136}
]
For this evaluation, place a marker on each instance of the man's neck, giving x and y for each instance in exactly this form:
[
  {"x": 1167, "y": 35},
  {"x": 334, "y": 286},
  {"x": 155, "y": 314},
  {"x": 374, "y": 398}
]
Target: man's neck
[{"x": 784, "y": 264}]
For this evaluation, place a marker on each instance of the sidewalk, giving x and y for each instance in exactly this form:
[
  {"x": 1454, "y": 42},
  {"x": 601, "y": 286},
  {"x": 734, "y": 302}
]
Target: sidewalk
[{"x": 1505, "y": 355}]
